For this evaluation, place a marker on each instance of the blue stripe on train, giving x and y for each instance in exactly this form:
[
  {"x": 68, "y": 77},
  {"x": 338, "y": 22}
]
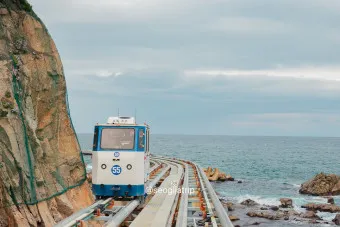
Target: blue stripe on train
[{"x": 118, "y": 190}]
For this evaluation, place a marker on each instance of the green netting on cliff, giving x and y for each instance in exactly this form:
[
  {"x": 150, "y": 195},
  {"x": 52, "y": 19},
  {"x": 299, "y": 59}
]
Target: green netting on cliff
[{"x": 48, "y": 169}]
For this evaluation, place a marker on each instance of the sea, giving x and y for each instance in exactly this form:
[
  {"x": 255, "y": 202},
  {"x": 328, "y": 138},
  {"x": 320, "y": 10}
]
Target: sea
[{"x": 269, "y": 167}]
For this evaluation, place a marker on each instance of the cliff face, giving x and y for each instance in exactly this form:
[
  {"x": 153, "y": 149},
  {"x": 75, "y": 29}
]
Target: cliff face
[{"x": 42, "y": 174}]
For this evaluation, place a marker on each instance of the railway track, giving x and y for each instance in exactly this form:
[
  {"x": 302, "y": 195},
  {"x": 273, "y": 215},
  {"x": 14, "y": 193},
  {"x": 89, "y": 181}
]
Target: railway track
[{"x": 179, "y": 195}]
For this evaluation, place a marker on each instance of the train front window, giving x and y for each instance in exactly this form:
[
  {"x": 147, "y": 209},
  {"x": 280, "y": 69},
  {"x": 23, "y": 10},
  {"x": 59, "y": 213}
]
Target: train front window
[{"x": 118, "y": 139}]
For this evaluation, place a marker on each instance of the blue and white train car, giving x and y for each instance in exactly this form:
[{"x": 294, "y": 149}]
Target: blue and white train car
[{"x": 120, "y": 158}]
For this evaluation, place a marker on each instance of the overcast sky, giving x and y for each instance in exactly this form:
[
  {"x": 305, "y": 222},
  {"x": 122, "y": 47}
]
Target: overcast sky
[{"x": 235, "y": 67}]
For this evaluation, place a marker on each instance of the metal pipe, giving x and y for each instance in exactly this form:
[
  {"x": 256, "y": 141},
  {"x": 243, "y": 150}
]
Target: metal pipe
[
  {"x": 221, "y": 212},
  {"x": 118, "y": 218}
]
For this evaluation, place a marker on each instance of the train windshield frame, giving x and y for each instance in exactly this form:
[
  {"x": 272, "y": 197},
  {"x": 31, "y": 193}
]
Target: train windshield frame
[{"x": 117, "y": 139}]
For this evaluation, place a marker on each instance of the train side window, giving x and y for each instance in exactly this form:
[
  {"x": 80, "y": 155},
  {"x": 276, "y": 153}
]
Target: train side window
[
  {"x": 147, "y": 140},
  {"x": 141, "y": 139},
  {"x": 95, "y": 138}
]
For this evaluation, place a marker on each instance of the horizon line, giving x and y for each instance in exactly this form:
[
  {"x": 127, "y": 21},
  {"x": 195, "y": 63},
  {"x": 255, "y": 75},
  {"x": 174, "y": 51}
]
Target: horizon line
[{"x": 235, "y": 135}]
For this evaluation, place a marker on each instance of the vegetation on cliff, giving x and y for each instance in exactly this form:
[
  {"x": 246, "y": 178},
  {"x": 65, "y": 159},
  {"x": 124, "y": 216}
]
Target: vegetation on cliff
[{"x": 40, "y": 157}]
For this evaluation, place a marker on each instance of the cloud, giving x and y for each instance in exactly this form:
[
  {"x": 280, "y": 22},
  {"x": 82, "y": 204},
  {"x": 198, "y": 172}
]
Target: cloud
[
  {"x": 108, "y": 74},
  {"x": 105, "y": 11},
  {"x": 240, "y": 62},
  {"x": 207, "y": 86},
  {"x": 249, "y": 25},
  {"x": 331, "y": 73}
]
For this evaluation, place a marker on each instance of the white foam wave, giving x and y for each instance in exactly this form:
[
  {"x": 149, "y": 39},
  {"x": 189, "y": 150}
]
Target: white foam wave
[
  {"x": 326, "y": 216},
  {"x": 270, "y": 201},
  {"x": 296, "y": 185},
  {"x": 275, "y": 201}
]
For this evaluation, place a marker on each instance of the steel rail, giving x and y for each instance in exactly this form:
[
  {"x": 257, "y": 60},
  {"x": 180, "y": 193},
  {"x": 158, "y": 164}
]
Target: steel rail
[
  {"x": 179, "y": 204},
  {"x": 182, "y": 216},
  {"x": 118, "y": 218},
  {"x": 220, "y": 210},
  {"x": 72, "y": 220},
  {"x": 206, "y": 198}
]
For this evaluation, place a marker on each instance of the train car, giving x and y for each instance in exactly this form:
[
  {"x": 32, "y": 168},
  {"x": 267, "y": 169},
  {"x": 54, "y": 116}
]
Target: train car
[{"x": 120, "y": 159}]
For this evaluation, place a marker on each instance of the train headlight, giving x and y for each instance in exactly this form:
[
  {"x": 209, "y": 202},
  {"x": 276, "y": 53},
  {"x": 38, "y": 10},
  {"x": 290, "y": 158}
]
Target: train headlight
[
  {"x": 129, "y": 166},
  {"x": 103, "y": 166}
]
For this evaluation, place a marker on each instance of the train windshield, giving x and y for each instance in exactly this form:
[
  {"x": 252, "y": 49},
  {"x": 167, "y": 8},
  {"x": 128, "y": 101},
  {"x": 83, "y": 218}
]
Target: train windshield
[{"x": 118, "y": 138}]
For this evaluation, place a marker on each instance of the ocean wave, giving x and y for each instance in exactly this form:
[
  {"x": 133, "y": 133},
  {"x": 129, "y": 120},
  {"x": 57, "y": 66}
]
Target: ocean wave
[
  {"x": 294, "y": 185},
  {"x": 275, "y": 201},
  {"x": 326, "y": 216},
  {"x": 271, "y": 201}
]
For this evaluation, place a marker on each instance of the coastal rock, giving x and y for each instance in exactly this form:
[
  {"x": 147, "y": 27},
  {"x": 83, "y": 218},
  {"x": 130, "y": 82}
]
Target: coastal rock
[
  {"x": 322, "y": 207},
  {"x": 321, "y": 185},
  {"x": 208, "y": 171},
  {"x": 249, "y": 202},
  {"x": 229, "y": 177},
  {"x": 266, "y": 215},
  {"x": 230, "y": 206},
  {"x": 310, "y": 215},
  {"x": 39, "y": 153},
  {"x": 233, "y": 218},
  {"x": 336, "y": 220},
  {"x": 217, "y": 175},
  {"x": 227, "y": 204},
  {"x": 286, "y": 203},
  {"x": 336, "y": 189},
  {"x": 274, "y": 208},
  {"x": 314, "y": 221},
  {"x": 330, "y": 200}
]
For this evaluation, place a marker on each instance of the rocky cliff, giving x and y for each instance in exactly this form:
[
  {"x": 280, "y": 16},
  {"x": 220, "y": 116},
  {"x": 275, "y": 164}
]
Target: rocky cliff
[{"x": 42, "y": 174}]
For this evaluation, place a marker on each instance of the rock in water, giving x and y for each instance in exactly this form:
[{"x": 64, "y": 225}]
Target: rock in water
[
  {"x": 274, "y": 208},
  {"x": 249, "y": 202},
  {"x": 330, "y": 200},
  {"x": 286, "y": 203},
  {"x": 322, "y": 207},
  {"x": 217, "y": 175},
  {"x": 310, "y": 215},
  {"x": 322, "y": 185},
  {"x": 336, "y": 220},
  {"x": 39, "y": 153},
  {"x": 230, "y": 206},
  {"x": 233, "y": 218},
  {"x": 267, "y": 215}
]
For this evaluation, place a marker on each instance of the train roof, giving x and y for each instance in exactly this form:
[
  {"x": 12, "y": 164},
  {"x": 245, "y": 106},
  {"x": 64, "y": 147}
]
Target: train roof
[
  {"x": 130, "y": 125},
  {"x": 121, "y": 121}
]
